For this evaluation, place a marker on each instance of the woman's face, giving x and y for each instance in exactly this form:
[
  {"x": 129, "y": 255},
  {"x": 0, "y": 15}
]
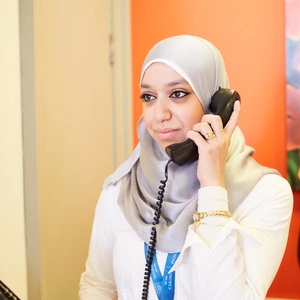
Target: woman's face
[{"x": 170, "y": 106}]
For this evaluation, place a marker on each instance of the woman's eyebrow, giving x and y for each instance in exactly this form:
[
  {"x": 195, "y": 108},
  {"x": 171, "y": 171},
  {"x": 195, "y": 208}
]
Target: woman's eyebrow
[{"x": 145, "y": 86}]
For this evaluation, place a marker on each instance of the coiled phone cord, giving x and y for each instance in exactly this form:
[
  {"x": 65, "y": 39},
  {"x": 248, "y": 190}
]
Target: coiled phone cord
[{"x": 152, "y": 242}]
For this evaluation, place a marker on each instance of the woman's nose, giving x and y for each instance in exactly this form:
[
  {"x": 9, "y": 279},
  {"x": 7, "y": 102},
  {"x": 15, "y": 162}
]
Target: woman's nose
[{"x": 162, "y": 110}]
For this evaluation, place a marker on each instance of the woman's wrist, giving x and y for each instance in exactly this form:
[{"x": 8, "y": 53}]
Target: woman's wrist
[{"x": 212, "y": 198}]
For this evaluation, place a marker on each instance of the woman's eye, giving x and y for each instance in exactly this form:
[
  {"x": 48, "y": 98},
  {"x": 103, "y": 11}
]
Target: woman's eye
[
  {"x": 178, "y": 94},
  {"x": 147, "y": 97}
]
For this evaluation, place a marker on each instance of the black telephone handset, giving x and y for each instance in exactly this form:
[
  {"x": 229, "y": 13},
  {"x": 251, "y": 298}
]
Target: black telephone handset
[{"x": 221, "y": 104}]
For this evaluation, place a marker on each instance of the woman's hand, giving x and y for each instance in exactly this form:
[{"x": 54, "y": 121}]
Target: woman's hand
[{"x": 214, "y": 148}]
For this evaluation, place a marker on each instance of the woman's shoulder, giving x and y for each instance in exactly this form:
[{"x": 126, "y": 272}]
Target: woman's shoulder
[
  {"x": 112, "y": 190},
  {"x": 123, "y": 169},
  {"x": 274, "y": 183},
  {"x": 272, "y": 190}
]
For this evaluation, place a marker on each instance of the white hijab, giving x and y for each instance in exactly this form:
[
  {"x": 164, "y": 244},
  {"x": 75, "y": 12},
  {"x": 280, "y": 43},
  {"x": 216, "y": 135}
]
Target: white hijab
[
  {"x": 197, "y": 60},
  {"x": 200, "y": 63}
]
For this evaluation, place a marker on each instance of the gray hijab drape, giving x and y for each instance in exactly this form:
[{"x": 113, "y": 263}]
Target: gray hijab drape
[{"x": 201, "y": 64}]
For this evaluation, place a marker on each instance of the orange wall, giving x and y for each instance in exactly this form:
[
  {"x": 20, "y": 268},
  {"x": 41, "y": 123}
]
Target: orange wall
[{"x": 251, "y": 37}]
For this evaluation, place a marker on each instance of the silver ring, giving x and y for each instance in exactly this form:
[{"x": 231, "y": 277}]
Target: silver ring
[{"x": 210, "y": 135}]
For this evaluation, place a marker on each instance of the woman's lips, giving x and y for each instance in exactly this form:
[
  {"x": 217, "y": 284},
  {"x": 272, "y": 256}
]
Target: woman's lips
[{"x": 166, "y": 134}]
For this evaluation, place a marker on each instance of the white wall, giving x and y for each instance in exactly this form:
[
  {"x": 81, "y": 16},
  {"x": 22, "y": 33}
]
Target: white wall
[
  {"x": 76, "y": 129},
  {"x": 65, "y": 124},
  {"x": 12, "y": 229}
]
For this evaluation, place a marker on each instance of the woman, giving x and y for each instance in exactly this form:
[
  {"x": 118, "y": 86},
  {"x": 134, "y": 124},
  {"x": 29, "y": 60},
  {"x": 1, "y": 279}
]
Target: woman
[{"x": 222, "y": 229}]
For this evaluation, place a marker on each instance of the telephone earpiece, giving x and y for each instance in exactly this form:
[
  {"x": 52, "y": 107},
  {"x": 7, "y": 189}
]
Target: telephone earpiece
[{"x": 222, "y": 103}]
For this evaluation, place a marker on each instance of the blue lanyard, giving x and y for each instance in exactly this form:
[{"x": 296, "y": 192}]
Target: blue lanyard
[{"x": 164, "y": 285}]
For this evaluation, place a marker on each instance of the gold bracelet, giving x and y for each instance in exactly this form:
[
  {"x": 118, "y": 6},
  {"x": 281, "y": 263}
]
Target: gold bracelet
[{"x": 198, "y": 216}]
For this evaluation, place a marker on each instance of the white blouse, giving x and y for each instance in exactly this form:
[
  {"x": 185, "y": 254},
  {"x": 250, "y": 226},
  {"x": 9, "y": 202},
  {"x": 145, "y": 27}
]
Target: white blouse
[{"x": 227, "y": 259}]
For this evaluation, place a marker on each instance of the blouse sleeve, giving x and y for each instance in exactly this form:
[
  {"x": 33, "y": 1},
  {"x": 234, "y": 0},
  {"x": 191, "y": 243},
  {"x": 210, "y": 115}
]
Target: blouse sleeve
[
  {"x": 239, "y": 259},
  {"x": 97, "y": 281}
]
